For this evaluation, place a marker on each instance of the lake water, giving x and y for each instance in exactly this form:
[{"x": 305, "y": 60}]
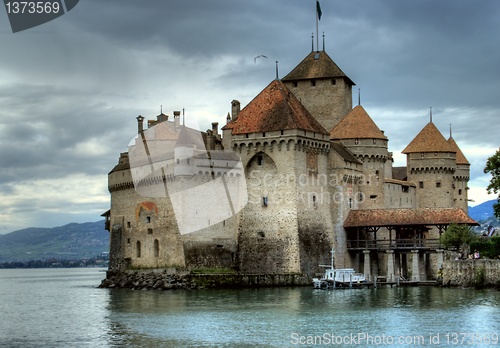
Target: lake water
[{"x": 63, "y": 308}]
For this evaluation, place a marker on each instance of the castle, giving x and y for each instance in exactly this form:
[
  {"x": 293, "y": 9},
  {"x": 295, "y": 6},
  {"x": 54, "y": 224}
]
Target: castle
[{"x": 295, "y": 174}]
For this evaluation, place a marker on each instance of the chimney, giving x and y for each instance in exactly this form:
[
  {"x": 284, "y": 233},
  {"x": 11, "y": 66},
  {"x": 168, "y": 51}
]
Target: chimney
[
  {"x": 177, "y": 118},
  {"x": 235, "y": 109},
  {"x": 215, "y": 127},
  {"x": 140, "y": 124}
]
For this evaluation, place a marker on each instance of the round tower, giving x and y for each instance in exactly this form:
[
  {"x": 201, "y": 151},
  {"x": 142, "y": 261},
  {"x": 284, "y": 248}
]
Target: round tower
[
  {"x": 431, "y": 165},
  {"x": 367, "y": 142}
]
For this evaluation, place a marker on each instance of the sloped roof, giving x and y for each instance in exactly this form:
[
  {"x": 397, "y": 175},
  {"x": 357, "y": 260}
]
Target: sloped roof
[
  {"x": 273, "y": 109},
  {"x": 357, "y": 124},
  {"x": 429, "y": 139},
  {"x": 400, "y": 173},
  {"x": 405, "y": 217},
  {"x": 344, "y": 152},
  {"x": 461, "y": 159},
  {"x": 316, "y": 65}
]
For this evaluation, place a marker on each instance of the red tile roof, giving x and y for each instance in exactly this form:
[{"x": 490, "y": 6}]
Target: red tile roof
[
  {"x": 273, "y": 109},
  {"x": 316, "y": 65},
  {"x": 429, "y": 139},
  {"x": 357, "y": 124},
  {"x": 406, "y": 217},
  {"x": 461, "y": 159}
]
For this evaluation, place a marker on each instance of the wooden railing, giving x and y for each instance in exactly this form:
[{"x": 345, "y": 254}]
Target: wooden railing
[{"x": 394, "y": 244}]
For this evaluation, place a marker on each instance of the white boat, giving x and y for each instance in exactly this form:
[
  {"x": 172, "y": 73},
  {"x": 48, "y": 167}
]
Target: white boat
[{"x": 342, "y": 277}]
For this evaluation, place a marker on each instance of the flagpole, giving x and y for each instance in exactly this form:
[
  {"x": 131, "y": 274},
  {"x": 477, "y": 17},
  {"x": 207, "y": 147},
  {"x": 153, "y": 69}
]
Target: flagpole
[{"x": 317, "y": 20}]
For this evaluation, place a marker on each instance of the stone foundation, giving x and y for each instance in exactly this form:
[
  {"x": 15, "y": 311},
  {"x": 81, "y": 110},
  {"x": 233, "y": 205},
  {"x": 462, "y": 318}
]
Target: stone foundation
[{"x": 163, "y": 280}]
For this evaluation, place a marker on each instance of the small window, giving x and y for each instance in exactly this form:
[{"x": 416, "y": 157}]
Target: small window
[
  {"x": 295, "y": 83},
  {"x": 246, "y": 135},
  {"x": 264, "y": 201},
  {"x": 178, "y": 161},
  {"x": 374, "y": 141},
  {"x": 128, "y": 224},
  {"x": 350, "y": 202},
  {"x": 356, "y": 141},
  {"x": 373, "y": 196},
  {"x": 421, "y": 184},
  {"x": 438, "y": 184},
  {"x": 148, "y": 219},
  {"x": 138, "y": 249},
  {"x": 156, "y": 248},
  {"x": 460, "y": 191},
  {"x": 334, "y": 82},
  {"x": 128, "y": 240},
  {"x": 261, "y": 234},
  {"x": 263, "y": 134},
  {"x": 150, "y": 231},
  {"x": 421, "y": 154},
  {"x": 260, "y": 160},
  {"x": 281, "y": 132},
  {"x": 313, "y": 83}
]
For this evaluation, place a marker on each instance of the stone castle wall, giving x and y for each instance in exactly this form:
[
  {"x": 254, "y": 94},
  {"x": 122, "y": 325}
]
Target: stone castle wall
[{"x": 468, "y": 273}]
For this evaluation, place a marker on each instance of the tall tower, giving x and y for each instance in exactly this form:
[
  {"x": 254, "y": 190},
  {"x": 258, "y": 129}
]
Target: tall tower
[
  {"x": 322, "y": 87},
  {"x": 431, "y": 165},
  {"x": 286, "y": 226}
]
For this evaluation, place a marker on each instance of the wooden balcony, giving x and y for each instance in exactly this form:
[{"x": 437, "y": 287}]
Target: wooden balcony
[{"x": 398, "y": 244}]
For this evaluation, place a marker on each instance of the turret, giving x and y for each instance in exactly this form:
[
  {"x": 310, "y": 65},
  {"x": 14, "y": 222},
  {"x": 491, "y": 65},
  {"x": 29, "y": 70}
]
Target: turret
[
  {"x": 431, "y": 164},
  {"x": 358, "y": 133}
]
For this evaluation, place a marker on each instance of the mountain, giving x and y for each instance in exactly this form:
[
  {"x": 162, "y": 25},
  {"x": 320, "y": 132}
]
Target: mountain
[
  {"x": 72, "y": 241},
  {"x": 482, "y": 211}
]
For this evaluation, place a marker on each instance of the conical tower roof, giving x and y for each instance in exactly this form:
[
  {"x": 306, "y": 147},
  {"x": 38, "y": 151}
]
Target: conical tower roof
[
  {"x": 357, "y": 124},
  {"x": 316, "y": 65},
  {"x": 429, "y": 139},
  {"x": 461, "y": 159},
  {"x": 273, "y": 109}
]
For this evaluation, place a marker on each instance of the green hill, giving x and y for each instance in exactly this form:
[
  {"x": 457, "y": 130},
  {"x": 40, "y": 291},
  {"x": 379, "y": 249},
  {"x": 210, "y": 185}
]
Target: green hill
[{"x": 72, "y": 241}]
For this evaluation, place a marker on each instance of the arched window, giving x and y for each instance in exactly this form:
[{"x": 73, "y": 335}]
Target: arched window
[
  {"x": 138, "y": 249},
  {"x": 157, "y": 248}
]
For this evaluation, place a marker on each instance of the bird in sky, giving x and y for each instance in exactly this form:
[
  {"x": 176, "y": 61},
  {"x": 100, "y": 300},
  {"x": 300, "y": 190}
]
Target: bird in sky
[{"x": 261, "y": 56}]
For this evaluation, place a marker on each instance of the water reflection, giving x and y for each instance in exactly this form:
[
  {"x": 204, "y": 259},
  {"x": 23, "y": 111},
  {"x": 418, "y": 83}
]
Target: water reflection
[{"x": 268, "y": 317}]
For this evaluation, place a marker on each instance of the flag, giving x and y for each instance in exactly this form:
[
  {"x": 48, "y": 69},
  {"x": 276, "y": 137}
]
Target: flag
[{"x": 318, "y": 9}]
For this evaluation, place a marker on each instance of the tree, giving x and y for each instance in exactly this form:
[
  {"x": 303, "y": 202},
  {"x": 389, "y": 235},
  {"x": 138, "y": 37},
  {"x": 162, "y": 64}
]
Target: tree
[
  {"x": 458, "y": 236},
  {"x": 493, "y": 167}
]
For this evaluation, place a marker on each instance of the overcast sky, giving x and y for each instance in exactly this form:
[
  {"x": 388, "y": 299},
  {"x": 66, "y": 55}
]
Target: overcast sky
[{"x": 70, "y": 89}]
